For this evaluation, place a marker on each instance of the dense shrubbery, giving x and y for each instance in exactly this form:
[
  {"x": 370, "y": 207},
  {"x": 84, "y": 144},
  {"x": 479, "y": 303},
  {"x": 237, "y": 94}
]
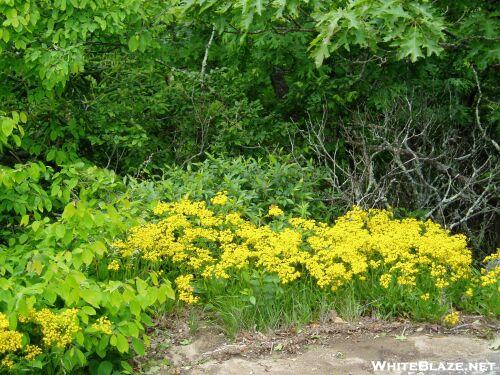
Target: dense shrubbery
[
  {"x": 57, "y": 278},
  {"x": 62, "y": 305},
  {"x": 306, "y": 107}
]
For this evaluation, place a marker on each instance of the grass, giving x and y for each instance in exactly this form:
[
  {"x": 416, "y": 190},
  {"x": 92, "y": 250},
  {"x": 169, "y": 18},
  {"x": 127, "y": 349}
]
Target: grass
[{"x": 258, "y": 301}]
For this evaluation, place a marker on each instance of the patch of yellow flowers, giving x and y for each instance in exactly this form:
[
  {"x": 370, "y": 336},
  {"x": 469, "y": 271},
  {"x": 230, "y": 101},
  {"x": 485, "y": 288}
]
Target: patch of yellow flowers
[
  {"x": 103, "y": 325},
  {"x": 58, "y": 330},
  {"x": 10, "y": 342},
  {"x": 203, "y": 242},
  {"x": 55, "y": 329},
  {"x": 452, "y": 319}
]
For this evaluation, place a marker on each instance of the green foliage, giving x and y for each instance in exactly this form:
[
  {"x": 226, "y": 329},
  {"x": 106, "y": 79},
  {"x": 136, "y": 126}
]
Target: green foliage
[
  {"x": 407, "y": 26},
  {"x": 194, "y": 97},
  {"x": 48, "y": 41},
  {"x": 11, "y": 128},
  {"x": 53, "y": 255},
  {"x": 255, "y": 184}
]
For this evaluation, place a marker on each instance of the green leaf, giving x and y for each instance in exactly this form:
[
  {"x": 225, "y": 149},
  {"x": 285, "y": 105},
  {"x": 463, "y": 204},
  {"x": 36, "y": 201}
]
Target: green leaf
[
  {"x": 320, "y": 53},
  {"x": 69, "y": 211},
  {"x": 121, "y": 343},
  {"x": 88, "y": 310},
  {"x": 135, "y": 308},
  {"x": 23, "y": 117},
  {"x": 126, "y": 367},
  {"x": 87, "y": 256},
  {"x": 133, "y": 43},
  {"x": 60, "y": 231},
  {"x": 7, "y": 126},
  {"x": 138, "y": 346},
  {"x": 25, "y": 220},
  {"x": 105, "y": 368},
  {"x": 411, "y": 46}
]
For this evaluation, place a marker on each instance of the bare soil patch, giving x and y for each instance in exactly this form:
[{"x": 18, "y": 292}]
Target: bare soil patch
[{"x": 334, "y": 347}]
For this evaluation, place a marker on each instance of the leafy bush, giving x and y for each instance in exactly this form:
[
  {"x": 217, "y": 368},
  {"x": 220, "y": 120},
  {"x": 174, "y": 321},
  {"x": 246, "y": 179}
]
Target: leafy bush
[
  {"x": 397, "y": 266},
  {"x": 254, "y": 184},
  {"x": 63, "y": 304}
]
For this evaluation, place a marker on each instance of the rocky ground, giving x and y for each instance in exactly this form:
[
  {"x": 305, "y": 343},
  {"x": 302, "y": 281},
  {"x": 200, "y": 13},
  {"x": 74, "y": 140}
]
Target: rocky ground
[{"x": 334, "y": 347}]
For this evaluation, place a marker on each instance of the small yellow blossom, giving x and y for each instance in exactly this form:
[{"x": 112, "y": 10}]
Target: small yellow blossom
[
  {"x": 385, "y": 280},
  {"x": 7, "y": 362},
  {"x": 103, "y": 325},
  {"x": 10, "y": 341},
  {"x": 220, "y": 198},
  {"x": 425, "y": 297},
  {"x": 114, "y": 265},
  {"x": 451, "y": 319},
  {"x": 185, "y": 289},
  {"x": 469, "y": 292},
  {"x": 275, "y": 211},
  {"x": 4, "y": 322},
  {"x": 31, "y": 351},
  {"x": 57, "y": 329},
  {"x": 490, "y": 277}
]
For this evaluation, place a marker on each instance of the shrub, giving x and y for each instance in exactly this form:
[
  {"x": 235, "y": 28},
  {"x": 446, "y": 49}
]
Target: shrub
[
  {"x": 253, "y": 184},
  {"x": 63, "y": 305}
]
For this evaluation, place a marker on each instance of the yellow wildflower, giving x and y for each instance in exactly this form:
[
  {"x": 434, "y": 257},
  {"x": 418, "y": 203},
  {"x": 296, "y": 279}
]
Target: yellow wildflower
[
  {"x": 425, "y": 297},
  {"x": 185, "y": 289},
  {"x": 32, "y": 351},
  {"x": 385, "y": 280},
  {"x": 220, "y": 198},
  {"x": 7, "y": 362},
  {"x": 275, "y": 211},
  {"x": 4, "y": 322},
  {"x": 491, "y": 277},
  {"x": 114, "y": 265},
  {"x": 206, "y": 244},
  {"x": 451, "y": 319},
  {"x": 57, "y": 329},
  {"x": 103, "y": 325},
  {"x": 10, "y": 341}
]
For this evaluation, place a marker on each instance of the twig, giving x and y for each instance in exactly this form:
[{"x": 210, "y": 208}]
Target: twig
[{"x": 205, "y": 58}]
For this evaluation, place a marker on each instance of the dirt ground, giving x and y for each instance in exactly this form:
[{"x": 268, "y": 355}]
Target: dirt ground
[{"x": 335, "y": 347}]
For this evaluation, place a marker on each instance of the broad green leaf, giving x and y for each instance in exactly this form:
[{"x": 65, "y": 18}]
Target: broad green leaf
[
  {"x": 121, "y": 343},
  {"x": 411, "y": 45},
  {"x": 105, "y": 368},
  {"x": 138, "y": 346},
  {"x": 133, "y": 43}
]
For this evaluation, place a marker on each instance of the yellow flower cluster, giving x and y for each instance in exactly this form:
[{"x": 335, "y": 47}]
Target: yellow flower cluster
[
  {"x": 57, "y": 329},
  {"x": 492, "y": 257},
  {"x": 205, "y": 244},
  {"x": 7, "y": 362},
  {"x": 103, "y": 325},
  {"x": 490, "y": 277},
  {"x": 491, "y": 274},
  {"x": 10, "y": 341},
  {"x": 4, "y": 322},
  {"x": 114, "y": 265},
  {"x": 451, "y": 319},
  {"x": 275, "y": 211},
  {"x": 185, "y": 289},
  {"x": 425, "y": 297},
  {"x": 220, "y": 198},
  {"x": 31, "y": 351}
]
